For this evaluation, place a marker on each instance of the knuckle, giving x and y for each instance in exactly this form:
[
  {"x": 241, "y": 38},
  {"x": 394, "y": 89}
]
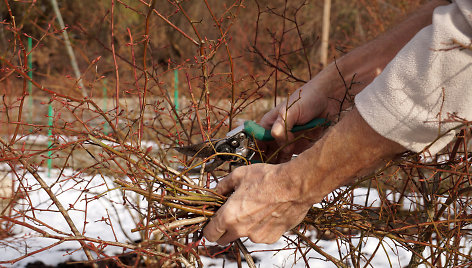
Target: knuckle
[
  {"x": 211, "y": 233},
  {"x": 255, "y": 238},
  {"x": 228, "y": 221},
  {"x": 222, "y": 184},
  {"x": 271, "y": 239},
  {"x": 282, "y": 112}
]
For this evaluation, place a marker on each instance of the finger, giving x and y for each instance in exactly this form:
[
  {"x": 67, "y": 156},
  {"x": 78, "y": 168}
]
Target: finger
[
  {"x": 285, "y": 121},
  {"x": 227, "y": 238},
  {"x": 282, "y": 134},
  {"x": 267, "y": 237},
  {"x": 213, "y": 230},
  {"x": 279, "y": 129},
  {"x": 269, "y": 118},
  {"x": 229, "y": 183}
]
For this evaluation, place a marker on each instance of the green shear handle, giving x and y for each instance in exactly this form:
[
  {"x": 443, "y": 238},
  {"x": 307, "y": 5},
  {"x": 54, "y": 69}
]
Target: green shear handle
[{"x": 262, "y": 134}]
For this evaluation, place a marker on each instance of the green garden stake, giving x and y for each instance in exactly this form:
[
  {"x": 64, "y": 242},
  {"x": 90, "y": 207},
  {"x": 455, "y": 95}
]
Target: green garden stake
[
  {"x": 176, "y": 99},
  {"x": 30, "y": 85},
  {"x": 50, "y": 119}
]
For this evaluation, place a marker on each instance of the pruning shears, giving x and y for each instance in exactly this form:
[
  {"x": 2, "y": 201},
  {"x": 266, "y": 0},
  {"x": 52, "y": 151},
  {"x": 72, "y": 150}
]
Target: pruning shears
[{"x": 239, "y": 145}]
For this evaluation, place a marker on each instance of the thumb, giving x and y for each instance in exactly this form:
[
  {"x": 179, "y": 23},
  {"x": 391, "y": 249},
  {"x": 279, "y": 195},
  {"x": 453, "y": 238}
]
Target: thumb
[
  {"x": 283, "y": 124},
  {"x": 280, "y": 129},
  {"x": 282, "y": 134},
  {"x": 269, "y": 118},
  {"x": 229, "y": 183}
]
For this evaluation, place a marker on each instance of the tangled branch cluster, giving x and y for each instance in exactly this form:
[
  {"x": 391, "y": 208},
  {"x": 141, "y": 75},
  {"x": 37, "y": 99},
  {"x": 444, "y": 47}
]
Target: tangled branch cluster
[{"x": 96, "y": 172}]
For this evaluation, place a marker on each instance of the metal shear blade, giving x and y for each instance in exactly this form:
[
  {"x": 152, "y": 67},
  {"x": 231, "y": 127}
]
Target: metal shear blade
[
  {"x": 236, "y": 147},
  {"x": 201, "y": 150}
]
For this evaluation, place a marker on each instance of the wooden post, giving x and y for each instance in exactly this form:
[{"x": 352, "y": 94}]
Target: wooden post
[
  {"x": 70, "y": 51},
  {"x": 325, "y": 33}
]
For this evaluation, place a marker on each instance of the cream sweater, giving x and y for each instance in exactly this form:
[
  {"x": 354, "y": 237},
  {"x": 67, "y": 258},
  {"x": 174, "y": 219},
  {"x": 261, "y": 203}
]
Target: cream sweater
[{"x": 423, "y": 92}]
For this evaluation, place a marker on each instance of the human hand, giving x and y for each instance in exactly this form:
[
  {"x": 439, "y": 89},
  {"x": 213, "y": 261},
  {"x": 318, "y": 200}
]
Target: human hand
[
  {"x": 266, "y": 201},
  {"x": 305, "y": 104}
]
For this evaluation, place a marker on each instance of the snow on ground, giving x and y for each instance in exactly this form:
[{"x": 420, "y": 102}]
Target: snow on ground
[
  {"x": 267, "y": 257},
  {"x": 69, "y": 190}
]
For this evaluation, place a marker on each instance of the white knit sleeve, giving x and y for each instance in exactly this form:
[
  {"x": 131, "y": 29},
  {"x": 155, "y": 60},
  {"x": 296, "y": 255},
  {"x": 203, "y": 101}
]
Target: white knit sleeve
[{"x": 426, "y": 85}]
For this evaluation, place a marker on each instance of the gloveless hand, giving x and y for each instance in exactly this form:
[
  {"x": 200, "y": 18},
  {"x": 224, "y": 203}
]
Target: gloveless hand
[
  {"x": 305, "y": 104},
  {"x": 266, "y": 202}
]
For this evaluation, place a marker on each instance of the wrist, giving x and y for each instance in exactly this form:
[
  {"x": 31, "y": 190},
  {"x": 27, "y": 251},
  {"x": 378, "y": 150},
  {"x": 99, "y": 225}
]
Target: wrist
[
  {"x": 349, "y": 150},
  {"x": 307, "y": 179}
]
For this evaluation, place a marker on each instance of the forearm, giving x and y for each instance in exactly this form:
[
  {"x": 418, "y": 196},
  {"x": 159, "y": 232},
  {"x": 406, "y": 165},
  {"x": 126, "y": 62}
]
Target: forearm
[
  {"x": 348, "y": 150},
  {"x": 267, "y": 200},
  {"x": 367, "y": 61}
]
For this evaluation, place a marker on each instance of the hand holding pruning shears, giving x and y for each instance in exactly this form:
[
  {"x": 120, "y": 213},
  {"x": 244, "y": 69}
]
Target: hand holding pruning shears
[{"x": 239, "y": 145}]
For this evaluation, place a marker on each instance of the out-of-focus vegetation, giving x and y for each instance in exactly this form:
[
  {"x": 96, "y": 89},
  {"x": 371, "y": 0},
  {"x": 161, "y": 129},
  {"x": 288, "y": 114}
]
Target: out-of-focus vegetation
[{"x": 287, "y": 33}]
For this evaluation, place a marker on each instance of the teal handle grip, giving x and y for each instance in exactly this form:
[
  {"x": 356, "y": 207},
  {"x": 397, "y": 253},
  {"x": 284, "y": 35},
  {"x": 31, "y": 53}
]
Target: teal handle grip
[{"x": 262, "y": 134}]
